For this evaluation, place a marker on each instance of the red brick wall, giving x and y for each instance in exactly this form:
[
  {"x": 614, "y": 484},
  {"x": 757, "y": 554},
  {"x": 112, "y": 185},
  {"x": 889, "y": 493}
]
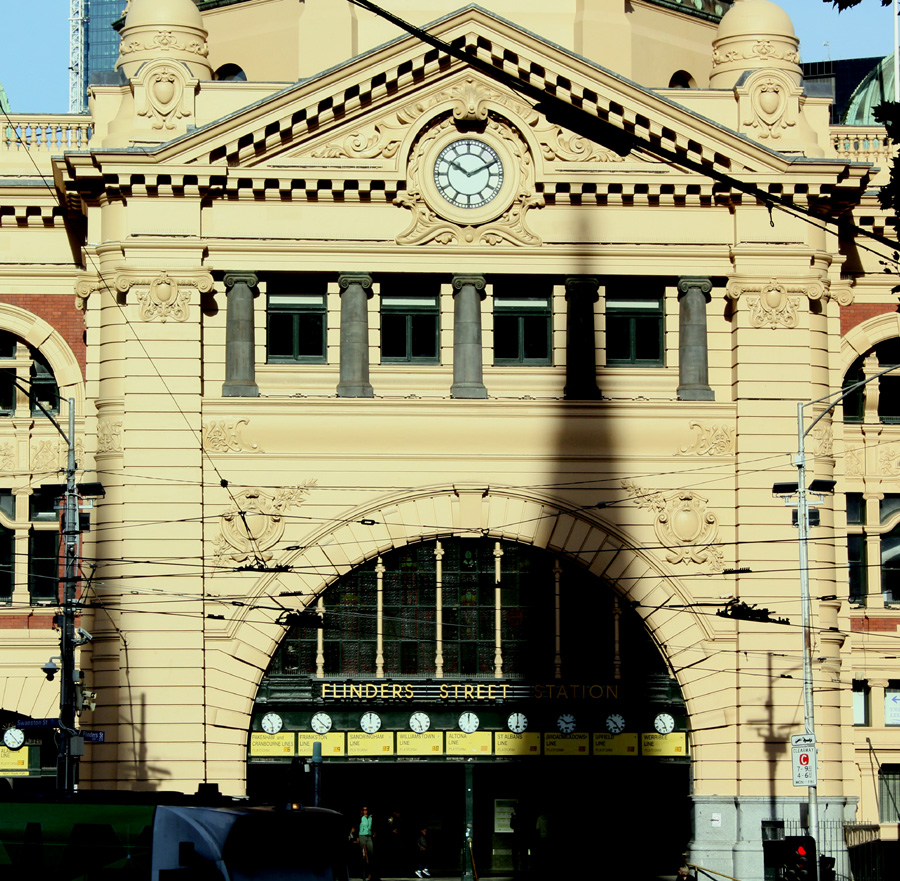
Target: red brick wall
[
  {"x": 857, "y": 313},
  {"x": 59, "y": 311},
  {"x": 874, "y": 625}
]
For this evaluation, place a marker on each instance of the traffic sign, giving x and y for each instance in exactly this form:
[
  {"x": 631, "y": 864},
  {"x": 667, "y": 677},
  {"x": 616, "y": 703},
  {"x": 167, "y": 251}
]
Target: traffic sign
[
  {"x": 37, "y": 723},
  {"x": 803, "y": 764},
  {"x": 93, "y": 736},
  {"x": 803, "y": 740}
]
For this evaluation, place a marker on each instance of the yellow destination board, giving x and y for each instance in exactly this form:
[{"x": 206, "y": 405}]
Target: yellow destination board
[
  {"x": 616, "y": 744},
  {"x": 268, "y": 745},
  {"x": 431, "y": 743},
  {"x": 13, "y": 763},
  {"x": 332, "y": 744},
  {"x": 380, "y": 744},
  {"x": 477, "y": 744},
  {"x": 506, "y": 744},
  {"x": 567, "y": 745},
  {"x": 674, "y": 744}
]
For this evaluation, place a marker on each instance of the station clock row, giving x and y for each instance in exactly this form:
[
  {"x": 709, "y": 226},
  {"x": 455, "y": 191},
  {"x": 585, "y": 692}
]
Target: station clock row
[{"x": 468, "y": 722}]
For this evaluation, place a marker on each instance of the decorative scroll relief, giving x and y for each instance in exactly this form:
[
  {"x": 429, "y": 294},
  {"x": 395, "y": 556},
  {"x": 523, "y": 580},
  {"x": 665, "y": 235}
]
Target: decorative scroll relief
[
  {"x": 711, "y": 440},
  {"x": 109, "y": 436},
  {"x": 164, "y": 94},
  {"x": 823, "y": 441},
  {"x": 49, "y": 456},
  {"x": 890, "y": 463},
  {"x": 683, "y": 526},
  {"x": 255, "y": 522},
  {"x": 165, "y": 40},
  {"x": 770, "y": 102},
  {"x": 86, "y": 285},
  {"x": 771, "y": 304},
  {"x": 164, "y": 295},
  {"x": 225, "y": 437},
  {"x": 427, "y": 224},
  {"x": 853, "y": 464},
  {"x": 7, "y": 458},
  {"x": 761, "y": 50}
]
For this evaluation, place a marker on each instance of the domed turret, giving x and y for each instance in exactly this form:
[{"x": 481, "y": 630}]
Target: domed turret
[
  {"x": 164, "y": 29},
  {"x": 754, "y": 35}
]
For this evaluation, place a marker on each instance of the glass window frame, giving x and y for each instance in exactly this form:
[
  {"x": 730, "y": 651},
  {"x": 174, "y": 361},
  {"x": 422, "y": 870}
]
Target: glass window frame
[
  {"x": 521, "y": 308},
  {"x": 296, "y": 306},
  {"x": 624, "y": 308},
  {"x": 410, "y": 307},
  {"x": 862, "y": 707}
]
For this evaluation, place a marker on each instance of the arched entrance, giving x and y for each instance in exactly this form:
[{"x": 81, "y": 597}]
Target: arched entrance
[{"x": 492, "y": 665}]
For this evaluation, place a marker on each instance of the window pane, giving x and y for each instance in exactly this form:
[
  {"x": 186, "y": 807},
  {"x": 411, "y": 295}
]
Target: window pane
[
  {"x": 7, "y": 390},
  {"x": 7, "y": 573},
  {"x": 647, "y": 343},
  {"x": 7, "y": 344},
  {"x": 506, "y": 337},
  {"x": 618, "y": 338},
  {"x": 424, "y": 336},
  {"x": 853, "y": 403},
  {"x": 856, "y": 556},
  {"x": 890, "y": 567},
  {"x": 43, "y": 385},
  {"x": 393, "y": 336},
  {"x": 892, "y": 704},
  {"x": 889, "y": 793},
  {"x": 43, "y": 566},
  {"x": 856, "y": 509},
  {"x": 889, "y": 399},
  {"x": 535, "y": 337},
  {"x": 860, "y": 702},
  {"x": 281, "y": 335},
  {"x": 43, "y": 501},
  {"x": 311, "y": 335}
]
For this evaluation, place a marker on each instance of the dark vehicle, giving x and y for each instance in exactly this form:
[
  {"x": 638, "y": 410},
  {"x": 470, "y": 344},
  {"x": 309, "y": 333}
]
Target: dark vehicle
[{"x": 94, "y": 836}]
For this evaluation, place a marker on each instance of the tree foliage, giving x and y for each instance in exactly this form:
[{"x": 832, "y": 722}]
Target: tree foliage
[{"x": 847, "y": 4}]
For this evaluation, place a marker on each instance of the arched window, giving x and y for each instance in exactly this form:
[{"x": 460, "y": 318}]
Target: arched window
[
  {"x": 27, "y": 382},
  {"x": 231, "y": 73},
  {"x": 887, "y": 354},
  {"x": 681, "y": 79}
]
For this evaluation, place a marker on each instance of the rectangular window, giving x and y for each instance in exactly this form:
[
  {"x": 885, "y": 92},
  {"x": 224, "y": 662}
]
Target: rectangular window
[
  {"x": 892, "y": 704},
  {"x": 856, "y": 509},
  {"x": 43, "y": 566},
  {"x": 634, "y": 330},
  {"x": 856, "y": 558},
  {"x": 296, "y": 319},
  {"x": 889, "y": 793},
  {"x": 860, "y": 702},
  {"x": 43, "y": 502},
  {"x": 890, "y": 566},
  {"x": 522, "y": 328},
  {"x": 7, "y": 567},
  {"x": 410, "y": 327},
  {"x": 44, "y": 390}
]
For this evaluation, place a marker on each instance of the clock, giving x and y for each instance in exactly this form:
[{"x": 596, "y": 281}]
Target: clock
[
  {"x": 566, "y": 723},
  {"x": 271, "y": 723},
  {"x": 370, "y": 722},
  {"x": 419, "y": 722},
  {"x": 468, "y": 722},
  {"x": 14, "y": 738},
  {"x": 517, "y": 723},
  {"x": 615, "y": 723},
  {"x": 320, "y": 723},
  {"x": 664, "y": 723},
  {"x": 468, "y": 173}
]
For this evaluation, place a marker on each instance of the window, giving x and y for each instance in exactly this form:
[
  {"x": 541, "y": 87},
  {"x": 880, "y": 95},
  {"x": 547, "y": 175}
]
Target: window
[
  {"x": 856, "y": 558},
  {"x": 887, "y": 354},
  {"x": 296, "y": 320},
  {"x": 860, "y": 702},
  {"x": 890, "y": 566},
  {"x": 889, "y": 793},
  {"x": 634, "y": 326},
  {"x": 410, "y": 325},
  {"x": 892, "y": 704},
  {"x": 522, "y": 326},
  {"x": 42, "y": 529},
  {"x": 23, "y": 369}
]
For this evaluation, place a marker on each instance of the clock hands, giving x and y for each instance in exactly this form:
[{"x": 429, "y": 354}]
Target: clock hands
[{"x": 481, "y": 168}]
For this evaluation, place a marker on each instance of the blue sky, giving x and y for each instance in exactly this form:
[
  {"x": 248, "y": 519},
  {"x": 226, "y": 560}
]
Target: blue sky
[{"x": 34, "y": 59}]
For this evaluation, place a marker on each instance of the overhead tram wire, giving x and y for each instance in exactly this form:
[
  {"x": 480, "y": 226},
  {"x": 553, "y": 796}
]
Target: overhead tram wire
[{"x": 601, "y": 132}]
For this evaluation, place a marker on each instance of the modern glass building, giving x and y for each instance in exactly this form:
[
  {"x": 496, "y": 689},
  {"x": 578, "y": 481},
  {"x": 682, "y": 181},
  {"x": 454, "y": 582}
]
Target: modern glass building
[{"x": 101, "y": 41}]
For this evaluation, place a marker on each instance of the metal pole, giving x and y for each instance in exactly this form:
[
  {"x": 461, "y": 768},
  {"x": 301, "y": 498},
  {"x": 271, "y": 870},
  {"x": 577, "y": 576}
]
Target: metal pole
[
  {"x": 69, "y": 742},
  {"x": 896, "y": 56},
  {"x": 317, "y": 773},
  {"x": 809, "y": 721}
]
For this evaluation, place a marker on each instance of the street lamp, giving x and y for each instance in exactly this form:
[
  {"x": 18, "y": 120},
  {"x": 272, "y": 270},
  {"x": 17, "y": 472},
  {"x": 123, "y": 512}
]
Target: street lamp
[{"x": 817, "y": 488}]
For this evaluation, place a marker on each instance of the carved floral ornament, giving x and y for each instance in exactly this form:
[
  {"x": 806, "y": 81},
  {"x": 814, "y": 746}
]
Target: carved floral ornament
[
  {"x": 757, "y": 50},
  {"x": 167, "y": 41},
  {"x": 109, "y": 436},
  {"x": 164, "y": 295},
  {"x": 255, "y": 522},
  {"x": 683, "y": 525},
  {"x": 223, "y": 436},
  {"x": 770, "y": 102},
  {"x": 774, "y": 304},
  {"x": 164, "y": 93},
  {"x": 712, "y": 440}
]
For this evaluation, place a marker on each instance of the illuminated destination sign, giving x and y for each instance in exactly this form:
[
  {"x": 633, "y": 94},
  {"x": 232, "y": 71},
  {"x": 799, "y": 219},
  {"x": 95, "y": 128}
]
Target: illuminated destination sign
[{"x": 387, "y": 690}]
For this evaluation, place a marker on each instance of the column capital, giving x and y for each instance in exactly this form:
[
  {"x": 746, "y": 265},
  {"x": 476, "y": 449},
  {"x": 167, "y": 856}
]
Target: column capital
[
  {"x": 460, "y": 281},
  {"x": 581, "y": 285},
  {"x": 251, "y": 279},
  {"x": 689, "y": 282},
  {"x": 363, "y": 279}
]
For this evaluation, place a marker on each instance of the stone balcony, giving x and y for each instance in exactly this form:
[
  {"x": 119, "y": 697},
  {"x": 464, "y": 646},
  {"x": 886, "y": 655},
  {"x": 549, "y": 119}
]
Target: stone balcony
[
  {"x": 865, "y": 143},
  {"x": 27, "y": 143}
]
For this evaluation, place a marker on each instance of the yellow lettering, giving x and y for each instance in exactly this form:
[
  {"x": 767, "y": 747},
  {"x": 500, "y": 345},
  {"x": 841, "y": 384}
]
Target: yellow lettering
[
  {"x": 344, "y": 690},
  {"x": 490, "y": 692},
  {"x": 396, "y": 690},
  {"x": 356, "y": 691},
  {"x": 409, "y": 691},
  {"x": 444, "y": 694},
  {"x": 538, "y": 691},
  {"x": 550, "y": 691},
  {"x": 596, "y": 695},
  {"x": 504, "y": 687},
  {"x": 468, "y": 692},
  {"x": 455, "y": 692},
  {"x": 612, "y": 691},
  {"x": 562, "y": 692},
  {"x": 383, "y": 687},
  {"x": 371, "y": 690},
  {"x": 324, "y": 690},
  {"x": 478, "y": 692}
]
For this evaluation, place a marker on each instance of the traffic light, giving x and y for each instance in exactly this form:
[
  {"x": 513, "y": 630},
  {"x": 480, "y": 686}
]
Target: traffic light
[
  {"x": 799, "y": 858},
  {"x": 826, "y": 869}
]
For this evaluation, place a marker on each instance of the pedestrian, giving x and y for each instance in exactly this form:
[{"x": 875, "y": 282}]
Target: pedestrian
[
  {"x": 365, "y": 838},
  {"x": 422, "y": 845}
]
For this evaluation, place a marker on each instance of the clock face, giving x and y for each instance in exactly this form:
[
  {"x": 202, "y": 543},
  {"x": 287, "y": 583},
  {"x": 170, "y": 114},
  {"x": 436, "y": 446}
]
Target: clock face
[
  {"x": 664, "y": 723},
  {"x": 517, "y": 723},
  {"x": 321, "y": 723},
  {"x": 615, "y": 723},
  {"x": 468, "y": 173},
  {"x": 566, "y": 723},
  {"x": 419, "y": 722},
  {"x": 468, "y": 722},
  {"x": 370, "y": 722},
  {"x": 271, "y": 723},
  {"x": 13, "y": 738}
]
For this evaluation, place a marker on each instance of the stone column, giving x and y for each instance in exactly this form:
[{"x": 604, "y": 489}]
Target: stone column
[
  {"x": 581, "y": 351},
  {"x": 240, "y": 360},
  {"x": 356, "y": 288},
  {"x": 468, "y": 374},
  {"x": 693, "y": 354}
]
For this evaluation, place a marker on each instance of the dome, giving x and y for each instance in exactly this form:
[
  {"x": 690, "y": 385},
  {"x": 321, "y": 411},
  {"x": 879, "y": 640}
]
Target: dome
[
  {"x": 754, "y": 35},
  {"x": 755, "y": 18},
  {"x": 876, "y": 87},
  {"x": 163, "y": 13}
]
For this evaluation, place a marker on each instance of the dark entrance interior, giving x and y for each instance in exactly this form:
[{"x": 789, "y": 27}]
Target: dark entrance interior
[{"x": 620, "y": 815}]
